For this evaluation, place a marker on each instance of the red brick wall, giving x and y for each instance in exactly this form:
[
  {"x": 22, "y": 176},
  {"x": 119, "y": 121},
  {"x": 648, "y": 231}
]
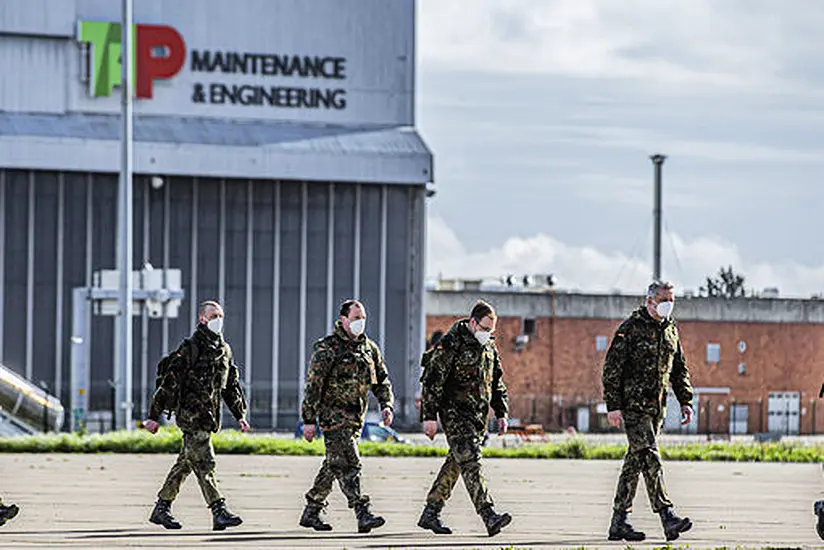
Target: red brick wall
[{"x": 779, "y": 357}]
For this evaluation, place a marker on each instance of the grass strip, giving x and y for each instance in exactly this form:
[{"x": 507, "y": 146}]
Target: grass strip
[{"x": 168, "y": 440}]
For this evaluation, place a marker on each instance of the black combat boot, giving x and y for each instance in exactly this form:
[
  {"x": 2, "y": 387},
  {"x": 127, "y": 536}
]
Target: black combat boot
[
  {"x": 311, "y": 518},
  {"x": 8, "y": 512},
  {"x": 162, "y": 515},
  {"x": 366, "y": 520},
  {"x": 620, "y": 529},
  {"x": 818, "y": 508},
  {"x": 431, "y": 519},
  {"x": 494, "y": 521},
  {"x": 222, "y": 517},
  {"x": 673, "y": 525}
]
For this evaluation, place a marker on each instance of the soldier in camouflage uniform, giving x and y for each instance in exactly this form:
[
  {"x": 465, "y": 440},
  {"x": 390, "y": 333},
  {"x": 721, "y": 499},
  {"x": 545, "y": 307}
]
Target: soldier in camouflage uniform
[
  {"x": 645, "y": 356},
  {"x": 202, "y": 373},
  {"x": 818, "y": 506},
  {"x": 462, "y": 378},
  {"x": 7, "y": 512},
  {"x": 345, "y": 366}
]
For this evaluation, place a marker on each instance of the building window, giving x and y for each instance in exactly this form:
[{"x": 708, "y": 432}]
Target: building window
[
  {"x": 713, "y": 353},
  {"x": 601, "y": 343},
  {"x": 528, "y": 327}
]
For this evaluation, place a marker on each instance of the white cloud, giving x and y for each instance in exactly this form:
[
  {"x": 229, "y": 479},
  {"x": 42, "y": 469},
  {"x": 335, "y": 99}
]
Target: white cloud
[
  {"x": 542, "y": 114},
  {"x": 618, "y": 190},
  {"x": 698, "y": 44},
  {"x": 642, "y": 140},
  {"x": 686, "y": 263}
]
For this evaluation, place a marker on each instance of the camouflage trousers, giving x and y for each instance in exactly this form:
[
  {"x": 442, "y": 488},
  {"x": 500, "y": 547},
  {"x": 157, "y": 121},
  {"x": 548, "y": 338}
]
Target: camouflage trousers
[
  {"x": 198, "y": 456},
  {"x": 342, "y": 463},
  {"x": 642, "y": 457},
  {"x": 464, "y": 459}
]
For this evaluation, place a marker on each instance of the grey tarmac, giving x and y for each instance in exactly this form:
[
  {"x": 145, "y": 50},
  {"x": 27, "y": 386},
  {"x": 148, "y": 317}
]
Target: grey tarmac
[{"x": 103, "y": 501}]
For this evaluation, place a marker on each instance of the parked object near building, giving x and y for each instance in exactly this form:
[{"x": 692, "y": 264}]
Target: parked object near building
[{"x": 25, "y": 408}]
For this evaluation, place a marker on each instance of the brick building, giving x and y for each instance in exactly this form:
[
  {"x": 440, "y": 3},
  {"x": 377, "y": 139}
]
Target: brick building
[{"x": 757, "y": 364}]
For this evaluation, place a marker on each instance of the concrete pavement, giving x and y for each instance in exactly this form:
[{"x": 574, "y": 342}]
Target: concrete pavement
[{"x": 103, "y": 501}]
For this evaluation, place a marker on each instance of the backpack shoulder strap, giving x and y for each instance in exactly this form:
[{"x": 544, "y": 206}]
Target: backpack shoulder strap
[
  {"x": 447, "y": 341},
  {"x": 191, "y": 348}
]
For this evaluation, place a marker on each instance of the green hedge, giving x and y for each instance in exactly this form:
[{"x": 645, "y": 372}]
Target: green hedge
[{"x": 233, "y": 442}]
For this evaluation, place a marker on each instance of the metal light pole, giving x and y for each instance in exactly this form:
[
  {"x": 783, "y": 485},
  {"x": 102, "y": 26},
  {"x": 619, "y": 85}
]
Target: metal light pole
[
  {"x": 123, "y": 336},
  {"x": 658, "y": 161}
]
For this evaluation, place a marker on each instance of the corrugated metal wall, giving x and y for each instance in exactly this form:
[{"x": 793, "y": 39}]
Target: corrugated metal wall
[
  {"x": 281, "y": 256},
  {"x": 375, "y": 37}
]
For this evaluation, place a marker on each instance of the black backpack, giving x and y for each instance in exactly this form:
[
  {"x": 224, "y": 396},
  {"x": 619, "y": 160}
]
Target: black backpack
[
  {"x": 444, "y": 342},
  {"x": 168, "y": 364},
  {"x": 426, "y": 359}
]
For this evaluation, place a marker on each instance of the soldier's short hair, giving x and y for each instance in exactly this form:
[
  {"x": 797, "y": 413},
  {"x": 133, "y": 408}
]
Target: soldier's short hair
[
  {"x": 347, "y": 306},
  {"x": 480, "y": 310},
  {"x": 206, "y": 305},
  {"x": 657, "y": 287}
]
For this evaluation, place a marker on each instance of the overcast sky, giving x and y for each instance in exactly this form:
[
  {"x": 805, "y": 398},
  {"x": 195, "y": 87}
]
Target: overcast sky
[{"x": 542, "y": 115}]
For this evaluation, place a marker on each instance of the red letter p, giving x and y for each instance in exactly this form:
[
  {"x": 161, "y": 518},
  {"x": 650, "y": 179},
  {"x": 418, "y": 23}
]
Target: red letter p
[{"x": 161, "y": 53}]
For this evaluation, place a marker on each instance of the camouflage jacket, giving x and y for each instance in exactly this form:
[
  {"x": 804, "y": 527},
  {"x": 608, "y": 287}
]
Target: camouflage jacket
[
  {"x": 461, "y": 381},
  {"x": 341, "y": 373},
  {"x": 202, "y": 386},
  {"x": 644, "y": 357}
]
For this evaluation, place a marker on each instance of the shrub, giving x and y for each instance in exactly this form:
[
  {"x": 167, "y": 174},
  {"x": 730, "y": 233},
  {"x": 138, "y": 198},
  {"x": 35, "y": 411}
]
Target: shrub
[{"x": 168, "y": 440}]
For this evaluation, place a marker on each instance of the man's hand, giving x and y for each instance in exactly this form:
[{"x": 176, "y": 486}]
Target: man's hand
[
  {"x": 309, "y": 432},
  {"x": 430, "y": 428},
  {"x": 244, "y": 425},
  {"x": 387, "y": 416},
  {"x": 615, "y": 418},
  {"x": 686, "y": 415},
  {"x": 151, "y": 426},
  {"x": 503, "y": 426}
]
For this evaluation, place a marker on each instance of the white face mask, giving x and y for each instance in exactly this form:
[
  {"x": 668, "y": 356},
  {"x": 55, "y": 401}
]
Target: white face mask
[
  {"x": 215, "y": 325},
  {"x": 483, "y": 336},
  {"x": 664, "y": 309},
  {"x": 357, "y": 327}
]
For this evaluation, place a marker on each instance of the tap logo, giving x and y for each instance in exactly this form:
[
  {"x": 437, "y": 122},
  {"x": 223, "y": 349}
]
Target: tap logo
[{"x": 159, "y": 53}]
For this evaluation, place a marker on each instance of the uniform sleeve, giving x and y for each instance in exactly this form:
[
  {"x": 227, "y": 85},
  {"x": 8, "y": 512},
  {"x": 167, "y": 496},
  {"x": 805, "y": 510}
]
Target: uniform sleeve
[
  {"x": 613, "y": 371},
  {"x": 319, "y": 367},
  {"x": 382, "y": 388},
  {"x": 500, "y": 399},
  {"x": 233, "y": 394},
  {"x": 432, "y": 382},
  {"x": 165, "y": 395},
  {"x": 680, "y": 377}
]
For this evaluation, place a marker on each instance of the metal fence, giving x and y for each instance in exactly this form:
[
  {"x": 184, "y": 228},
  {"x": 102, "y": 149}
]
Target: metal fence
[{"x": 715, "y": 415}]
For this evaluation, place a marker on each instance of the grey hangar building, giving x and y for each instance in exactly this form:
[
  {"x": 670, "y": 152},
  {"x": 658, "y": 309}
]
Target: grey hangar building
[{"x": 276, "y": 165}]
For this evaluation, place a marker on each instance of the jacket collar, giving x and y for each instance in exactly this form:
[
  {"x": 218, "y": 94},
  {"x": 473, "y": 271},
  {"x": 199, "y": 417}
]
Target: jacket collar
[
  {"x": 643, "y": 315},
  {"x": 341, "y": 333},
  {"x": 461, "y": 330}
]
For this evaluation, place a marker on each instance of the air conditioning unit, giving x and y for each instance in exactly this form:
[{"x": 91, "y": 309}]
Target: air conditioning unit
[
  {"x": 520, "y": 342},
  {"x": 472, "y": 285},
  {"x": 451, "y": 285}
]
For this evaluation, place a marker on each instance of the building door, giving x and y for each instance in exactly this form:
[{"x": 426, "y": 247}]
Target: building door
[
  {"x": 672, "y": 420},
  {"x": 784, "y": 412},
  {"x": 583, "y": 419},
  {"x": 739, "y": 419}
]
